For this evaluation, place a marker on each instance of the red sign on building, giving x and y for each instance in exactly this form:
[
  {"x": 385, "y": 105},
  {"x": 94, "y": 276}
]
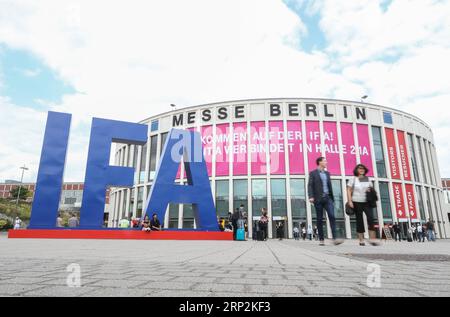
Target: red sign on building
[
  {"x": 404, "y": 159},
  {"x": 392, "y": 154},
  {"x": 411, "y": 201},
  {"x": 399, "y": 201}
]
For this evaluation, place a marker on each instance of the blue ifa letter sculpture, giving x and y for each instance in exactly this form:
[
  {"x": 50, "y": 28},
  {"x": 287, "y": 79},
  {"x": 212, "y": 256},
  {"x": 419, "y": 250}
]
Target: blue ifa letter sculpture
[
  {"x": 51, "y": 169},
  {"x": 100, "y": 175},
  {"x": 186, "y": 144}
]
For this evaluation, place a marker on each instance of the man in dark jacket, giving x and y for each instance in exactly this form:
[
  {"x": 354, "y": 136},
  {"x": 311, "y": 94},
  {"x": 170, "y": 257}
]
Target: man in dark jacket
[{"x": 320, "y": 193}]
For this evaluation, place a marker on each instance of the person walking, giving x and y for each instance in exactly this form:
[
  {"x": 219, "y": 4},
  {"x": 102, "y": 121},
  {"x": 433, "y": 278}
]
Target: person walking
[
  {"x": 280, "y": 230},
  {"x": 357, "y": 189},
  {"x": 320, "y": 193},
  {"x": 234, "y": 222},
  {"x": 316, "y": 233},
  {"x": 430, "y": 231},
  {"x": 420, "y": 235},
  {"x": 414, "y": 232},
  {"x": 397, "y": 232},
  {"x": 264, "y": 223},
  {"x": 296, "y": 233}
]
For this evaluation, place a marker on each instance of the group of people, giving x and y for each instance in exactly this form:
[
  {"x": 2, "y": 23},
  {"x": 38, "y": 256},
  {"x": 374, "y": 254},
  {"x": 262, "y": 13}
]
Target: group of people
[
  {"x": 145, "y": 224},
  {"x": 305, "y": 233},
  {"x": 416, "y": 232}
]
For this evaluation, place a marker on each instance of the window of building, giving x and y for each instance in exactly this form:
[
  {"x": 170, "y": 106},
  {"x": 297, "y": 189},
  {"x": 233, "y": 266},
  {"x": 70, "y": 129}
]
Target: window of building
[
  {"x": 188, "y": 217},
  {"x": 413, "y": 157},
  {"x": 385, "y": 200},
  {"x": 420, "y": 202},
  {"x": 142, "y": 165},
  {"x": 174, "y": 210},
  {"x": 163, "y": 141},
  {"x": 259, "y": 196},
  {"x": 278, "y": 192},
  {"x": 153, "y": 152},
  {"x": 379, "y": 152},
  {"x": 427, "y": 147},
  {"x": 338, "y": 208},
  {"x": 222, "y": 198},
  {"x": 422, "y": 160},
  {"x": 140, "y": 202},
  {"x": 154, "y": 126},
  {"x": 124, "y": 202},
  {"x": 240, "y": 193},
  {"x": 430, "y": 212},
  {"x": 298, "y": 200},
  {"x": 387, "y": 117}
]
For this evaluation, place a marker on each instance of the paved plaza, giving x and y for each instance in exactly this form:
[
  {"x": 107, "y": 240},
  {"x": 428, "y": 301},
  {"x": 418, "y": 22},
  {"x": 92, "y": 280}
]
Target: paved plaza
[{"x": 222, "y": 268}]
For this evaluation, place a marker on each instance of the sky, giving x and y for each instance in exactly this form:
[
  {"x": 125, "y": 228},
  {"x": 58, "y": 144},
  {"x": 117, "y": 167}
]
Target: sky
[{"x": 131, "y": 59}]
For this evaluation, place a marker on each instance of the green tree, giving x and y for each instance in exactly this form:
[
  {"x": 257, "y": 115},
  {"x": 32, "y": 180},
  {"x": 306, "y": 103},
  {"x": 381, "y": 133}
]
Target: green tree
[{"x": 24, "y": 192}]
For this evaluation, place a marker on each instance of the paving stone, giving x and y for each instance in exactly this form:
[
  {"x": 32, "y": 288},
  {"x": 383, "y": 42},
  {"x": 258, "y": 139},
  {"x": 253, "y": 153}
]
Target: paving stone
[{"x": 60, "y": 291}]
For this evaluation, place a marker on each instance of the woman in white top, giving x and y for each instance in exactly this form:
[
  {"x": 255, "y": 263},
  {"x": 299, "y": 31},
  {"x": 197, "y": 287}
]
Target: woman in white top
[{"x": 357, "y": 189}]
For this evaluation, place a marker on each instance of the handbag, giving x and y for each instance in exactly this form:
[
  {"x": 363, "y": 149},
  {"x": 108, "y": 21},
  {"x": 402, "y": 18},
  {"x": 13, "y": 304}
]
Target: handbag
[
  {"x": 372, "y": 197},
  {"x": 349, "y": 210}
]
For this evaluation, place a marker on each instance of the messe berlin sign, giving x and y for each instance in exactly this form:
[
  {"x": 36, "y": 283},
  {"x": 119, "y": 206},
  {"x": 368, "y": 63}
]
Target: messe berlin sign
[{"x": 100, "y": 175}]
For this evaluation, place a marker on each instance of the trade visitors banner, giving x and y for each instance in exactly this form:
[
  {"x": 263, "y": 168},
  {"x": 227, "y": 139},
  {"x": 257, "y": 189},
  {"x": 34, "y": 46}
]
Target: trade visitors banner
[
  {"x": 404, "y": 159},
  {"x": 331, "y": 147},
  {"x": 295, "y": 147},
  {"x": 348, "y": 148},
  {"x": 399, "y": 201},
  {"x": 240, "y": 148},
  {"x": 222, "y": 149},
  {"x": 392, "y": 153},
  {"x": 411, "y": 201},
  {"x": 365, "y": 154},
  {"x": 276, "y": 148}
]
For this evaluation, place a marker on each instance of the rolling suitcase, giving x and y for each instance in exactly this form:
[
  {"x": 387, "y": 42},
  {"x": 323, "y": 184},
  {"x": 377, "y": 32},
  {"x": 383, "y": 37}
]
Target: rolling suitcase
[{"x": 240, "y": 234}]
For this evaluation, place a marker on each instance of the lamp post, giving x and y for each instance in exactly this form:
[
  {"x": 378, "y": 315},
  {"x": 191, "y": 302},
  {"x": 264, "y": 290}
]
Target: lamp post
[{"x": 23, "y": 168}]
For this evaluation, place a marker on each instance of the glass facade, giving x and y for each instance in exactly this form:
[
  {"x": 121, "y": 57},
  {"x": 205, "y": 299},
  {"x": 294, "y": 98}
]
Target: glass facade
[
  {"x": 278, "y": 193},
  {"x": 152, "y": 160},
  {"x": 338, "y": 208},
  {"x": 142, "y": 168},
  {"x": 298, "y": 200},
  {"x": 385, "y": 200},
  {"x": 188, "y": 217},
  {"x": 259, "y": 196},
  {"x": 412, "y": 154},
  {"x": 222, "y": 198},
  {"x": 422, "y": 159},
  {"x": 174, "y": 210},
  {"x": 140, "y": 202},
  {"x": 240, "y": 193},
  {"x": 379, "y": 152},
  {"x": 420, "y": 202}
]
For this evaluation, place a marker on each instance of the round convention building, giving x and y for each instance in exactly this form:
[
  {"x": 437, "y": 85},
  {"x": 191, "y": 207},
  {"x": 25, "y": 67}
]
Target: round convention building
[{"x": 259, "y": 153}]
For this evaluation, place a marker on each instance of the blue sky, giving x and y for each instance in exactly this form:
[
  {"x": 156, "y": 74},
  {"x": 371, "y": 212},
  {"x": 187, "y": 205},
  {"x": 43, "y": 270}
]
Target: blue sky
[{"x": 28, "y": 81}]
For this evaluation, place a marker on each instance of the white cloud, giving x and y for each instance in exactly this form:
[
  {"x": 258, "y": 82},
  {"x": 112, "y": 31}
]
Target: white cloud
[{"x": 131, "y": 59}]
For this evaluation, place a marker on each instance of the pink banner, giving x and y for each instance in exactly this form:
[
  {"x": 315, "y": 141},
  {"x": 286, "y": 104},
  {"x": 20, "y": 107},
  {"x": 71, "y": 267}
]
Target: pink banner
[
  {"x": 411, "y": 201},
  {"x": 404, "y": 159},
  {"x": 399, "y": 200},
  {"x": 365, "y": 153},
  {"x": 208, "y": 146},
  {"x": 331, "y": 147},
  {"x": 276, "y": 148},
  {"x": 222, "y": 150},
  {"x": 313, "y": 143},
  {"x": 240, "y": 148},
  {"x": 348, "y": 148},
  {"x": 295, "y": 147},
  {"x": 258, "y": 148}
]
